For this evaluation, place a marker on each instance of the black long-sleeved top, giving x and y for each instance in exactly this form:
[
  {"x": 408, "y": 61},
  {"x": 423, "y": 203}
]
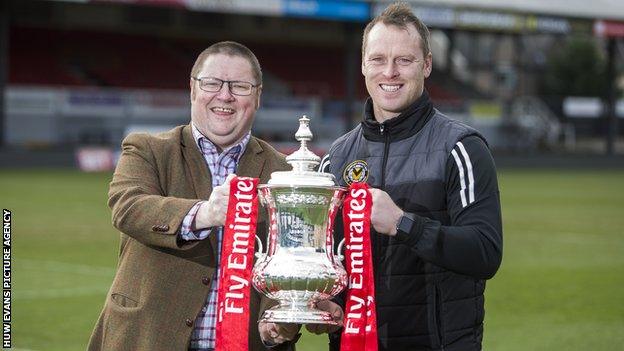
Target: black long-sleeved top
[
  {"x": 471, "y": 242},
  {"x": 429, "y": 282}
]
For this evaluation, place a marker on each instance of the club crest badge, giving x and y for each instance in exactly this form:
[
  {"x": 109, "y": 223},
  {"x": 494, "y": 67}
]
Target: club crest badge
[{"x": 356, "y": 172}]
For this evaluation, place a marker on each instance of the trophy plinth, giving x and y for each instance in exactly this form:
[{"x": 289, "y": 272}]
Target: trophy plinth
[{"x": 299, "y": 268}]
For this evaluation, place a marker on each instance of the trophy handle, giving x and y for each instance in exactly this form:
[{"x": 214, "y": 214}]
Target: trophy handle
[
  {"x": 260, "y": 254},
  {"x": 340, "y": 245}
]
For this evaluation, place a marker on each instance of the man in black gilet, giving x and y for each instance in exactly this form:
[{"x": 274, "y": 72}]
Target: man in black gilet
[{"x": 436, "y": 221}]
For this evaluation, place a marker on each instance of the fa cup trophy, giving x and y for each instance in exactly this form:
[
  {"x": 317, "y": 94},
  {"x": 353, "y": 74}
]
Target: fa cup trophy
[{"x": 300, "y": 267}]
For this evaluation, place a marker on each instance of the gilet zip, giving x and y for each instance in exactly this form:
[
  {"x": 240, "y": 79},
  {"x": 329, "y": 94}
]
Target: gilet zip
[{"x": 378, "y": 239}]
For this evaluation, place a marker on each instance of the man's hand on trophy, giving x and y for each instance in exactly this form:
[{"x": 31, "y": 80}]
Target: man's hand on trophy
[
  {"x": 337, "y": 314},
  {"x": 277, "y": 333},
  {"x": 385, "y": 214},
  {"x": 212, "y": 213}
]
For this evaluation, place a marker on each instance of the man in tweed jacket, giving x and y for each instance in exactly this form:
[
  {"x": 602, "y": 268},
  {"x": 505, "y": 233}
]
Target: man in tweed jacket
[{"x": 169, "y": 197}]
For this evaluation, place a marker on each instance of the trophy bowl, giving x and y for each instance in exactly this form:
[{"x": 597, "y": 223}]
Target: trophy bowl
[{"x": 300, "y": 268}]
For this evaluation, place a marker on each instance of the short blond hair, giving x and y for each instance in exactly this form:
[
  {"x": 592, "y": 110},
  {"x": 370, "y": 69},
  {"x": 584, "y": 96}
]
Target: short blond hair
[{"x": 399, "y": 14}]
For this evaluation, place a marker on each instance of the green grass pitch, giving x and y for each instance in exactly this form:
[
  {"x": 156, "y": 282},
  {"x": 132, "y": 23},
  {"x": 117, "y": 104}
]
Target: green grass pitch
[{"x": 560, "y": 287}]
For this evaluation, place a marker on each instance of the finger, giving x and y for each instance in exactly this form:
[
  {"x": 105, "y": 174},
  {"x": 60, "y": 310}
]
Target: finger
[
  {"x": 264, "y": 330},
  {"x": 267, "y": 333},
  {"x": 229, "y": 178},
  {"x": 337, "y": 315},
  {"x": 220, "y": 192},
  {"x": 223, "y": 190},
  {"x": 288, "y": 331},
  {"x": 326, "y": 305},
  {"x": 281, "y": 340},
  {"x": 334, "y": 309},
  {"x": 272, "y": 330}
]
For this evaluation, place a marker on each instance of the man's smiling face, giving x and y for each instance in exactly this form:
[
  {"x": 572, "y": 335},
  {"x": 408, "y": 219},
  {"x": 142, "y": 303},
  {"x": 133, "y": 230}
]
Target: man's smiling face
[
  {"x": 222, "y": 117},
  {"x": 394, "y": 68}
]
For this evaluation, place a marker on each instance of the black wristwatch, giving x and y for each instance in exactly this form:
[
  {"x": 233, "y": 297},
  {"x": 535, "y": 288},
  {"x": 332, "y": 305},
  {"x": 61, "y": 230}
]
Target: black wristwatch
[{"x": 406, "y": 222}]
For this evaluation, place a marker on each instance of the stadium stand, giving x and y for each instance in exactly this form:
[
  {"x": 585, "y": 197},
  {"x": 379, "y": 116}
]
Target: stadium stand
[
  {"x": 91, "y": 58},
  {"x": 107, "y": 59}
]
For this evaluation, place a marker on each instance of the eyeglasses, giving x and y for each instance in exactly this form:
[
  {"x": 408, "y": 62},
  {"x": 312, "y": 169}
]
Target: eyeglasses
[{"x": 213, "y": 85}]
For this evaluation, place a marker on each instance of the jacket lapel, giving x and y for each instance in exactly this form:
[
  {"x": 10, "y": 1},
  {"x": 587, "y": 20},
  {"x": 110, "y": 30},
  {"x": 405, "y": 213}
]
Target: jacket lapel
[
  {"x": 199, "y": 174},
  {"x": 199, "y": 177},
  {"x": 252, "y": 162},
  {"x": 250, "y": 165}
]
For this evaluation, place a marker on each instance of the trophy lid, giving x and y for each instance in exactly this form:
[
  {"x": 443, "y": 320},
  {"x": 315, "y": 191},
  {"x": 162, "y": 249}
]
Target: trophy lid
[{"x": 303, "y": 162}]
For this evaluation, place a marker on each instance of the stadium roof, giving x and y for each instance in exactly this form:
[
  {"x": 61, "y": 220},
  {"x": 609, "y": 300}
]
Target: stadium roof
[
  {"x": 357, "y": 10},
  {"x": 598, "y": 9}
]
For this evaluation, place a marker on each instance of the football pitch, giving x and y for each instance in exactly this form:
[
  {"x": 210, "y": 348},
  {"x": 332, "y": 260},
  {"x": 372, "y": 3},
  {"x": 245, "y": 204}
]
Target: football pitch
[{"x": 560, "y": 287}]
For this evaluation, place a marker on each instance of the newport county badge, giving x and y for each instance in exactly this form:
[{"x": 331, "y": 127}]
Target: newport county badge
[{"x": 356, "y": 172}]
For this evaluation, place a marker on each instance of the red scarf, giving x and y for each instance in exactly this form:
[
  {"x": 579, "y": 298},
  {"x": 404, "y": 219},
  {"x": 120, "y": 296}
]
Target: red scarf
[
  {"x": 237, "y": 252},
  {"x": 360, "y": 323}
]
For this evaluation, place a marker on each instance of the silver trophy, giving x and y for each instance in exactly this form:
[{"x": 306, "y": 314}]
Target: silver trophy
[{"x": 300, "y": 268}]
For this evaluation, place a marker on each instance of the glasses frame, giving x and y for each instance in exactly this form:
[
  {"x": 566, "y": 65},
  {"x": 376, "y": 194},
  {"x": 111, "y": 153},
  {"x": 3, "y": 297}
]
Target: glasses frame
[{"x": 199, "y": 79}]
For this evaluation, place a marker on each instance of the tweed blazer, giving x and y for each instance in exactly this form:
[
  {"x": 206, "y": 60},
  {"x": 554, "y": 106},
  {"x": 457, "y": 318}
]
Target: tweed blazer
[{"x": 162, "y": 283}]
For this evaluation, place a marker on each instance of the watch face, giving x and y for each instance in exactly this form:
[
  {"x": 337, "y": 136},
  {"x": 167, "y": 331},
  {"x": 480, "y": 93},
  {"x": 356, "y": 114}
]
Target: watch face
[{"x": 405, "y": 224}]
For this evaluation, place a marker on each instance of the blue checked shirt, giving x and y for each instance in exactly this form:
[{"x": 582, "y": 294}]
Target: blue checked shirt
[{"x": 220, "y": 165}]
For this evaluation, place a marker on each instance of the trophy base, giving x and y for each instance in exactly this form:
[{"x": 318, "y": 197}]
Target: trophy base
[{"x": 297, "y": 314}]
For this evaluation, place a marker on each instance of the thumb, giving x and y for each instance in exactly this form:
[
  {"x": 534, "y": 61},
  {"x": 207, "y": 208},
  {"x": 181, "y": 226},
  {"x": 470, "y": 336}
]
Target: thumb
[
  {"x": 273, "y": 330},
  {"x": 229, "y": 178}
]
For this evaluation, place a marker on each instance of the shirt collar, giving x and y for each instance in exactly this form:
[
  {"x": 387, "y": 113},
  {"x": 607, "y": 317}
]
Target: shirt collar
[{"x": 206, "y": 146}]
